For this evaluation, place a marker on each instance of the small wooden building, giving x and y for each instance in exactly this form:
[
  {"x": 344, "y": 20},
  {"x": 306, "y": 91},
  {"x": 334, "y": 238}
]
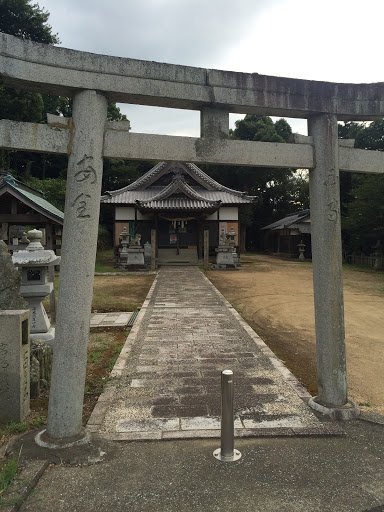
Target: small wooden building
[
  {"x": 22, "y": 208},
  {"x": 284, "y": 235},
  {"x": 179, "y": 201}
]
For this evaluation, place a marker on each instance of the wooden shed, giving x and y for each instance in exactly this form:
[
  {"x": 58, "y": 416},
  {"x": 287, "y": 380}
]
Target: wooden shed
[{"x": 22, "y": 208}]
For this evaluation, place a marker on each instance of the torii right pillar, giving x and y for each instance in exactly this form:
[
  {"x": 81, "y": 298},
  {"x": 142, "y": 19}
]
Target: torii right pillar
[{"x": 332, "y": 398}]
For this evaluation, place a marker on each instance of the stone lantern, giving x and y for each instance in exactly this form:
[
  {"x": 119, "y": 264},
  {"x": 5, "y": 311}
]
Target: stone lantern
[
  {"x": 123, "y": 255},
  {"x": 231, "y": 236},
  {"x": 226, "y": 256},
  {"x": 301, "y": 247},
  {"x": 35, "y": 261}
]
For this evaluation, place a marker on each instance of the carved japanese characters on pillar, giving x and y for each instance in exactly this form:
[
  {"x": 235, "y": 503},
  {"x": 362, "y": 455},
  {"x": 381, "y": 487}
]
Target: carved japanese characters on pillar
[
  {"x": 25, "y": 373},
  {"x": 333, "y": 205},
  {"x": 81, "y": 205},
  {"x": 85, "y": 175},
  {"x": 86, "y": 170}
]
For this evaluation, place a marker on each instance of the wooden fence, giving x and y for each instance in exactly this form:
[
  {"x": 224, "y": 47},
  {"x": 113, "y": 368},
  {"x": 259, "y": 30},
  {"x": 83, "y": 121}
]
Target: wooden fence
[{"x": 375, "y": 261}]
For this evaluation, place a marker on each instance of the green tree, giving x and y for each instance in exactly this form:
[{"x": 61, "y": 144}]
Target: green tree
[
  {"x": 23, "y": 19},
  {"x": 278, "y": 191},
  {"x": 114, "y": 113},
  {"x": 362, "y": 194},
  {"x": 53, "y": 189},
  {"x": 363, "y": 223},
  {"x": 120, "y": 173}
]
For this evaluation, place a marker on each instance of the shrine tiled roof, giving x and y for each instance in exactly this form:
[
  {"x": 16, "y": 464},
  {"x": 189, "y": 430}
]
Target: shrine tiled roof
[
  {"x": 178, "y": 203},
  {"x": 201, "y": 188},
  {"x": 178, "y": 195}
]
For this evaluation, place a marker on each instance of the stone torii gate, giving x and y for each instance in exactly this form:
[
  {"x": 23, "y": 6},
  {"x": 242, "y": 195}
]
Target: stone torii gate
[{"x": 93, "y": 80}]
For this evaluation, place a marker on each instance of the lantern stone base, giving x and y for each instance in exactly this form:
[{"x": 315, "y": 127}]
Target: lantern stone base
[
  {"x": 48, "y": 336},
  {"x": 135, "y": 257},
  {"x": 225, "y": 258},
  {"x": 39, "y": 320}
]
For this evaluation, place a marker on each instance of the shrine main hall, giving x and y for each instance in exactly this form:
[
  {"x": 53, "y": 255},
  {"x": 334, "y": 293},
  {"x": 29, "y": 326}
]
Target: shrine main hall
[{"x": 180, "y": 202}]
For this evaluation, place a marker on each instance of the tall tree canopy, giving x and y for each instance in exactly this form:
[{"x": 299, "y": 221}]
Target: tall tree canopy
[
  {"x": 27, "y": 20},
  {"x": 279, "y": 191},
  {"x": 21, "y": 19},
  {"x": 362, "y": 194}
]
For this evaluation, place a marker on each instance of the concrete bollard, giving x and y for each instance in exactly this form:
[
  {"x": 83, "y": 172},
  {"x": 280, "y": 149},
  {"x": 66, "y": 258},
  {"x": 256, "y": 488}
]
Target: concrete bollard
[{"x": 227, "y": 453}]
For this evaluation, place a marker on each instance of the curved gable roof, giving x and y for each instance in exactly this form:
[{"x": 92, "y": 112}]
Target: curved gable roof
[{"x": 205, "y": 189}]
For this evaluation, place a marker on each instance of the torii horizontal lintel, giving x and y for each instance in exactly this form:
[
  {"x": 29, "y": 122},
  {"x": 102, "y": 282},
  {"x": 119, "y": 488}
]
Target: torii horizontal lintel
[
  {"x": 61, "y": 71},
  {"x": 126, "y": 145}
]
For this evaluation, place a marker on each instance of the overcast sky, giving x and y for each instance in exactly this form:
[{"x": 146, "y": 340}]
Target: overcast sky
[{"x": 330, "y": 40}]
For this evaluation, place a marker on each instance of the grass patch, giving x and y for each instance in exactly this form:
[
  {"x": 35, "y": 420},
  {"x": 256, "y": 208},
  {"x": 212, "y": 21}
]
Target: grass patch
[
  {"x": 115, "y": 354},
  {"x": 19, "y": 428},
  {"x": 7, "y": 475},
  {"x": 362, "y": 268},
  {"x": 95, "y": 355},
  {"x": 105, "y": 261},
  {"x": 124, "y": 292},
  {"x": 8, "y": 472},
  {"x": 103, "y": 302},
  {"x": 103, "y": 351}
]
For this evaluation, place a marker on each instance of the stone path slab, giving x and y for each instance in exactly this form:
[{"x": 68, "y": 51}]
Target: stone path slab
[
  {"x": 166, "y": 382},
  {"x": 117, "y": 320}
]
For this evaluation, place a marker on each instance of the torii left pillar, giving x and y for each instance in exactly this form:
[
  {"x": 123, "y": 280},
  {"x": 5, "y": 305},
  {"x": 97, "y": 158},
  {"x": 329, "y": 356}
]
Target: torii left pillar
[
  {"x": 81, "y": 214},
  {"x": 324, "y": 189}
]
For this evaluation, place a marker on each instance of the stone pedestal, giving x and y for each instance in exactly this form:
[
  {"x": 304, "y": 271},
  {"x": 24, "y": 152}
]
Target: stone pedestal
[
  {"x": 135, "y": 257},
  {"x": 224, "y": 258},
  {"x": 206, "y": 248},
  {"x": 14, "y": 365},
  {"x": 226, "y": 255},
  {"x": 153, "y": 249},
  {"x": 147, "y": 254}
]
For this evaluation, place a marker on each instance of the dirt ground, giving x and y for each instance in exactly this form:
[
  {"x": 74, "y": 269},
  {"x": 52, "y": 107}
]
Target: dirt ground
[{"x": 276, "y": 298}]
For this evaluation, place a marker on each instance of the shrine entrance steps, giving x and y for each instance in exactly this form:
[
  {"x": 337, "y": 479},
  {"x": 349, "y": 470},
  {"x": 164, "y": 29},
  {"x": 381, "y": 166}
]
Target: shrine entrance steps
[
  {"x": 166, "y": 382},
  {"x": 173, "y": 256}
]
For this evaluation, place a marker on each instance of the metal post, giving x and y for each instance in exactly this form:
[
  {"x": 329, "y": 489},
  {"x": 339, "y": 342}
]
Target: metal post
[{"x": 227, "y": 453}]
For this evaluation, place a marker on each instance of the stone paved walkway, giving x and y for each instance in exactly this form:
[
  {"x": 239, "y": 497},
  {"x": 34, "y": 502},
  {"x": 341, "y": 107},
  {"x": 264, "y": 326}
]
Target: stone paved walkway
[{"x": 166, "y": 381}]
